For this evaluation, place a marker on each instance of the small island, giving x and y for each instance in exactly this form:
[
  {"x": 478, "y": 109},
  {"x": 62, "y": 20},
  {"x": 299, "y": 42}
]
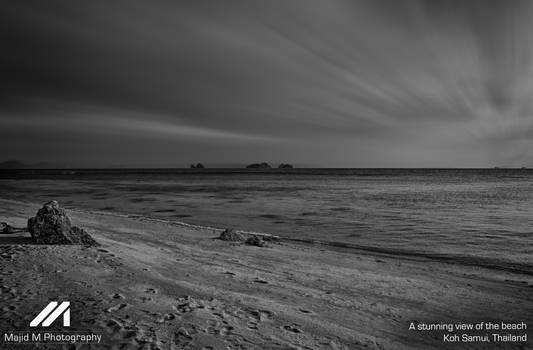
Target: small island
[
  {"x": 263, "y": 165},
  {"x": 285, "y": 166}
]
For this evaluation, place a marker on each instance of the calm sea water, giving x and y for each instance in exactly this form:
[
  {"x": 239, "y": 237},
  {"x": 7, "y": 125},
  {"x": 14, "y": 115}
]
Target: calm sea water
[{"x": 485, "y": 214}]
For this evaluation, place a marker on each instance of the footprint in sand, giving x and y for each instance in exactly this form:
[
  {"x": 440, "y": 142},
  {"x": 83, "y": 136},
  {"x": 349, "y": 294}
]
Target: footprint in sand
[
  {"x": 184, "y": 336},
  {"x": 187, "y": 304},
  {"x": 165, "y": 317},
  {"x": 116, "y": 307},
  {"x": 183, "y": 333},
  {"x": 5, "y": 290},
  {"x": 257, "y": 316},
  {"x": 225, "y": 330},
  {"x": 114, "y": 325},
  {"x": 292, "y": 328},
  {"x": 252, "y": 325},
  {"x": 261, "y": 281},
  {"x": 130, "y": 336},
  {"x": 217, "y": 328},
  {"x": 262, "y": 315},
  {"x": 7, "y": 256},
  {"x": 9, "y": 308}
]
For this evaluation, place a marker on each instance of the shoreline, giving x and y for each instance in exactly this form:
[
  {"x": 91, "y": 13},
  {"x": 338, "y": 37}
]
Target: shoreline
[
  {"x": 467, "y": 260},
  {"x": 161, "y": 285}
]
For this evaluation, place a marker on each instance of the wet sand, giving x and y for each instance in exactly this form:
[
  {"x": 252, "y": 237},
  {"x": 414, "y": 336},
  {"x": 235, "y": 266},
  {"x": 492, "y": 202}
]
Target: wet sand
[{"x": 157, "y": 285}]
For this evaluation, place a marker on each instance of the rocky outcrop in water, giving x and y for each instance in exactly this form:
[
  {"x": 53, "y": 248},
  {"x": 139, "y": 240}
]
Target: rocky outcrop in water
[
  {"x": 263, "y": 165},
  {"x": 51, "y": 225}
]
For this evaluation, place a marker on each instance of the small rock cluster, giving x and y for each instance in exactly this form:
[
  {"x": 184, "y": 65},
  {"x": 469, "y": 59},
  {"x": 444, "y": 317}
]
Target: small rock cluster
[
  {"x": 230, "y": 235},
  {"x": 187, "y": 304},
  {"x": 51, "y": 225},
  {"x": 255, "y": 241}
]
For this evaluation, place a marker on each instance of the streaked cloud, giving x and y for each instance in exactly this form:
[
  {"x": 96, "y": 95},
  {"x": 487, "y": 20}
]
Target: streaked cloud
[
  {"x": 122, "y": 122},
  {"x": 324, "y": 83}
]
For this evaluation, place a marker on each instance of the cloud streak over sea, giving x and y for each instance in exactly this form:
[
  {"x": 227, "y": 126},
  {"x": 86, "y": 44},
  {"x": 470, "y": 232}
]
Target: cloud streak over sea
[{"x": 336, "y": 83}]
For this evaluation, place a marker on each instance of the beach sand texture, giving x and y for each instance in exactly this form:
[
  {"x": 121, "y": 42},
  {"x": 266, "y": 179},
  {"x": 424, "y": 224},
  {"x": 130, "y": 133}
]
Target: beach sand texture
[{"x": 156, "y": 285}]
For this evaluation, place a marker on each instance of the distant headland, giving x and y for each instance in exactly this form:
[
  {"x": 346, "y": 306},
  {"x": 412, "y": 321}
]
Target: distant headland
[{"x": 16, "y": 164}]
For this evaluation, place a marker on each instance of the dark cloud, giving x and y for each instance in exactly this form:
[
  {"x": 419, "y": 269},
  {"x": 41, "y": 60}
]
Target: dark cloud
[{"x": 324, "y": 83}]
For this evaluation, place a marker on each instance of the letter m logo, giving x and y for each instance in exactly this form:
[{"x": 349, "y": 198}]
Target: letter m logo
[{"x": 51, "y": 312}]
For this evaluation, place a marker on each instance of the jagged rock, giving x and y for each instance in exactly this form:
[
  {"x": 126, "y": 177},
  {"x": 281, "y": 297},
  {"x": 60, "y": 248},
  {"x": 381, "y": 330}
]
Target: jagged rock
[
  {"x": 263, "y": 165},
  {"x": 256, "y": 241},
  {"x": 231, "y": 236},
  {"x": 51, "y": 225},
  {"x": 285, "y": 166}
]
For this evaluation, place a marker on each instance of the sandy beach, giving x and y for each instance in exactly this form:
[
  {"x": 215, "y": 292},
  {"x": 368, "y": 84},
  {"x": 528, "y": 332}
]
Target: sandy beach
[{"x": 158, "y": 285}]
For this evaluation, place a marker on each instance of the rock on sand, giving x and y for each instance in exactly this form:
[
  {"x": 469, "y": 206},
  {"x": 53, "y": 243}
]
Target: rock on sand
[
  {"x": 256, "y": 241},
  {"x": 51, "y": 225},
  {"x": 231, "y": 236}
]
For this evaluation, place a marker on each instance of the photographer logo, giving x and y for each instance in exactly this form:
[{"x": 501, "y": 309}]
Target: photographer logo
[{"x": 51, "y": 312}]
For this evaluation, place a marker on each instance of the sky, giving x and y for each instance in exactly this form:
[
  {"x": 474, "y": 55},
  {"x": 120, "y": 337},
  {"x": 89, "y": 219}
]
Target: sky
[{"x": 315, "y": 83}]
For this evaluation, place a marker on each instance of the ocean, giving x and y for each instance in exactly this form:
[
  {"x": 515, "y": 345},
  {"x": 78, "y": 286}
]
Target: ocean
[{"x": 475, "y": 216}]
